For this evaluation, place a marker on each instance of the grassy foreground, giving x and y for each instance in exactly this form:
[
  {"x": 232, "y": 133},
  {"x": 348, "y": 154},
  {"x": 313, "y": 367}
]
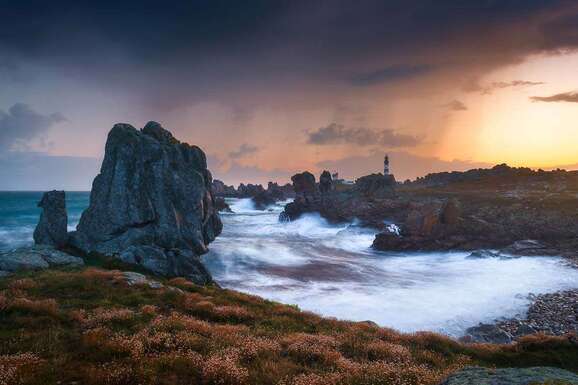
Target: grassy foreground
[{"x": 91, "y": 327}]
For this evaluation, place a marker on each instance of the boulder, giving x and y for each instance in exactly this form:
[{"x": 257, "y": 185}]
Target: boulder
[
  {"x": 450, "y": 214},
  {"x": 487, "y": 333},
  {"x": 134, "y": 278},
  {"x": 325, "y": 182},
  {"x": 221, "y": 205},
  {"x": 528, "y": 247},
  {"x": 511, "y": 376},
  {"x": 151, "y": 204},
  {"x": 222, "y": 190},
  {"x": 263, "y": 200},
  {"x": 422, "y": 220},
  {"x": 375, "y": 184},
  {"x": 387, "y": 240},
  {"x": 484, "y": 254},
  {"x": 307, "y": 197},
  {"x": 52, "y": 227},
  {"x": 249, "y": 190},
  {"x": 38, "y": 257},
  {"x": 305, "y": 186},
  {"x": 275, "y": 191}
]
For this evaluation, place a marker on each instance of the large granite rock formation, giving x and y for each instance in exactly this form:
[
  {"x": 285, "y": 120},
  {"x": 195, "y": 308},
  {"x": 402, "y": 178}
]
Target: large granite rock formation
[
  {"x": 52, "y": 227},
  {"x": 151, "y": 204}
]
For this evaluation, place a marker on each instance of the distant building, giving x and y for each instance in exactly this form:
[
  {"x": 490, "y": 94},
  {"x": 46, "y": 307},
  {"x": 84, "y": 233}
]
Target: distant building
[
  {"x": 386, "y": 165},
  {"x": 340, "y": 181}
]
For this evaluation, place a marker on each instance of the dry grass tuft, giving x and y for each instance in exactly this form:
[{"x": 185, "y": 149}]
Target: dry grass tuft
[
  {"x": 22, "y": 284},
  {"x": 11, "y": 365},
  {"x": 224, "y": 369},
  {"x": 41, "y": 307}
]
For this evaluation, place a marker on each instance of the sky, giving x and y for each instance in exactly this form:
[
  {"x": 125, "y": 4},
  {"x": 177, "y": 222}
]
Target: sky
[{"x": 271, "y": 88}]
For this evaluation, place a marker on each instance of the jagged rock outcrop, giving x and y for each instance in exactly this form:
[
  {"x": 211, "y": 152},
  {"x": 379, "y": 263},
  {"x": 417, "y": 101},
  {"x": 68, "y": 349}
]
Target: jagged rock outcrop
[
  {"x": 307, "y": 197},
  {"x": 223, "y": 190},
  {"x": 249, "y": 190},
  {"x": 428, "y": 225},
  {"x": 151, "y": 204},
  {"x": 305, "y": 186},
  {"x": 52, "y": 226},
  {"x": 221, "y": 205},
  {"x": 275, "y": 191},
  {"x": 325, "y": 182},
  {"x": 375, "y": 184}
]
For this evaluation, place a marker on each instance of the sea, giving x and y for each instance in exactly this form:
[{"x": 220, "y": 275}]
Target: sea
[{"x": 331, "y": 269}]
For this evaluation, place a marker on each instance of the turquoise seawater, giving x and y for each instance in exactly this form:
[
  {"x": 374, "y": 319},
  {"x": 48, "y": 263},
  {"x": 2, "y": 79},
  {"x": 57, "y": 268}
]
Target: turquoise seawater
[{"x": 19, "y": 215}]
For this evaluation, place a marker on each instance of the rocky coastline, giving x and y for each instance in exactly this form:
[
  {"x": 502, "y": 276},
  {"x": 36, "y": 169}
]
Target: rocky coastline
[
  {"x": 552, "y": 314},
  {"x": 499, "y": 208},
  {"x": 501, "y": 212},
  {"x": 261, "y": 197}
]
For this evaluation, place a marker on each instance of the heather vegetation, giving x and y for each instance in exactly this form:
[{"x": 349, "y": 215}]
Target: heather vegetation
[{"x": 91, "y": 327}]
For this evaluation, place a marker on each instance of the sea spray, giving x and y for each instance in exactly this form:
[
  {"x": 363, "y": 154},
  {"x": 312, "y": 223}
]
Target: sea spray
[{"x": 331, "y": 269}]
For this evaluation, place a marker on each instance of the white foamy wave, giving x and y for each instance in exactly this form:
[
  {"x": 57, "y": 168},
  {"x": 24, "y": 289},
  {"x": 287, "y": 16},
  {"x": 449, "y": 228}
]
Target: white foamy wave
[
  {"x": 15, "y": 237},
  {"x": 309, "y": 225},
  {"x": 332, "y": 270},
  {"x": 242, "y": 206}
]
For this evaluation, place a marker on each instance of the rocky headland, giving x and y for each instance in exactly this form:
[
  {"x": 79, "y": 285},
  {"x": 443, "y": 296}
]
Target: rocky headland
[
  {"x": 502, "y": 212},
  {"x": 517, "y": 210}
]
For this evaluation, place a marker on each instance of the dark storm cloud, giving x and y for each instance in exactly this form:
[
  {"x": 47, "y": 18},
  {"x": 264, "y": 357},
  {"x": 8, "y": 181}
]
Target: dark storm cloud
[
  {"x": 473, "y": 85},
  {"x": 215, "y": 47},
  {"x": 455, "y": 105},
  {"x": 361, "y": 136},
  {"x": 22, "y": 123},
  {"x": 389, "y": 74},
  {"x": 243, "y": 150},
  {"x": 569, "y": 97}
]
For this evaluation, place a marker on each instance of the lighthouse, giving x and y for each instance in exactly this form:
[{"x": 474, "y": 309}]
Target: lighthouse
[{"x": 386, "y": 165}]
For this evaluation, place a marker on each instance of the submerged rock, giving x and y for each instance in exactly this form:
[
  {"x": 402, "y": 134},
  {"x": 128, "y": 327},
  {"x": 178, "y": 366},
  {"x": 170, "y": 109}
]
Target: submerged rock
[
  {"x": 52, "y": 226},
  {"x": 484, "y": 254},
  {"x": 487, "y": 333},
  {"x": 511, "y": 376},
  {"x": 36, "y": 258},
  {"x": 151, "y": 204},
  {"x": 529, "y": 247}
]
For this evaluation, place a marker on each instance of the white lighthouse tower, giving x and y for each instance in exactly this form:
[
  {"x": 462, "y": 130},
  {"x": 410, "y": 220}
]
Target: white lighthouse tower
[{"x": 386, "y": 165}]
